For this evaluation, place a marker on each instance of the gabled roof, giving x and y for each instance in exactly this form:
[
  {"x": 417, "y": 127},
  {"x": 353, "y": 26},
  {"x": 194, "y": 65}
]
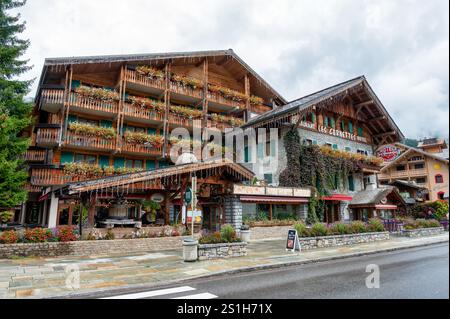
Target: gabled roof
[
  {"x": 238, "y": 171},
  {"x": 375, "y": 196},
  {"x": 409, "y": 150},
  {"x": 407, "y": 184},
  {"x": 148, "y": 57},
  {"x": 306, "y": 103}
]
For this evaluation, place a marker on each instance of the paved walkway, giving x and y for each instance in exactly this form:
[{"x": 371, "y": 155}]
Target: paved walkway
[{"x": 47, "y": 277}]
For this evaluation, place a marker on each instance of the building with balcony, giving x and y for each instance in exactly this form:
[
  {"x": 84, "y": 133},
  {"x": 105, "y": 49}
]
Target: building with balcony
[
  {"x": 98, "y": 117},
  {"x": 425, "y": 166},
  {"x": 347, "y": 120}
]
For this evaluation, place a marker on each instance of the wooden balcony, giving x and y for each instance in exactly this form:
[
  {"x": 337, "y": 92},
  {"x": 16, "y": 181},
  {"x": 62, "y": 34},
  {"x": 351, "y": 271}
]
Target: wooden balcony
[
  {"x": 142, "y": 114},
  {"x": 89, "y": 142},
  {"x": 216, "y": 100},
  {"x": 176, "y": 121},
  {"x": 48, "y": 136},
  {"x": 142, "y": 83},
  {"x": 82, "y": 103},
  {"x": 32, "y": 189},
  {"x": 48, "y": 177},
  {"x": 35, "y": 155},
  {"x": 183, "y": 93},
  {"x": 52, "y": 100},
  {"x": 259, "y": 109},
  {"x": 140, "y": 149},
  {"x": 219, "y": 125}
]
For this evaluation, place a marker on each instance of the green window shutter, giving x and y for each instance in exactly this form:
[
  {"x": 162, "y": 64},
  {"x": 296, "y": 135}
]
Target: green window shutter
[
  {"x": 268, "y": 178},
  {"x": 119, "y": 162},
  {"x": 260, "y": 150},
  {"x": 104, "y": 161},
  {"x": 351, "y": 183},
  {"x": 151, "y": 131},
  {"x": 342, "y": 125},
  {"x": 360, "y": 131},
  {"x": 150, "y": 165},
  {"x": 106, "y": 123},
  {"x": 325, "y": 121},
  {"x": 127, "y": 96},
  {"x": 246, "y": 154},
  {"x": 66, "y": 157},
  {"x": 335, "y": 147},
  {"x": 72, "y": 118},
  {"x": 332, "y": 122},
  {"x": 350, "y": 127},
  {"x": 313, "y": 117},
  {"x": 162, "y": 164},
  {"x": 76, "y": 84}
]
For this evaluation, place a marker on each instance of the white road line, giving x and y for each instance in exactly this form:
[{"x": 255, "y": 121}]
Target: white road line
[
  {"x": 153, "y": 293},
  {"x": 198, "y": 296}
]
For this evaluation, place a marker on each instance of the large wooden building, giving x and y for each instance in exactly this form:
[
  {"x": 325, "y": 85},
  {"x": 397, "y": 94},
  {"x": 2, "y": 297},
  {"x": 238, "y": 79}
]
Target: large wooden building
[{"x": 97, "y": 117}]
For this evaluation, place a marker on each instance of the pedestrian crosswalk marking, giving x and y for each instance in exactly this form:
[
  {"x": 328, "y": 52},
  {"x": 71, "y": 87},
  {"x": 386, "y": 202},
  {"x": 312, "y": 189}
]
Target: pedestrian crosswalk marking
[
  {"x": 198, "y": 296},
  {"x": 153, "y": 293}
]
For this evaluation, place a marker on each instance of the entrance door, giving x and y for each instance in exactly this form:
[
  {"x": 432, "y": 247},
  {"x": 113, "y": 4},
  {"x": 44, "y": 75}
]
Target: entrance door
[{"x": 211, "y": 218}]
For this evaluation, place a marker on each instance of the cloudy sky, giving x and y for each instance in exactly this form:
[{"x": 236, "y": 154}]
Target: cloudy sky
[{"x": 299, "y": 47}]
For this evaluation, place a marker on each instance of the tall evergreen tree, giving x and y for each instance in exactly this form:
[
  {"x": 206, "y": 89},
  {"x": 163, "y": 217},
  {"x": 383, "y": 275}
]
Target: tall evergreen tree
[{"x": 15, "y": 113}]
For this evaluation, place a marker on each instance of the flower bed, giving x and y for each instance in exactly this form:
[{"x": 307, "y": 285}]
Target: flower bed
[
  {"x": 40, "y": 235},
  {"x": 355, "y": 227},
  {"x": 223, "y": 244}
]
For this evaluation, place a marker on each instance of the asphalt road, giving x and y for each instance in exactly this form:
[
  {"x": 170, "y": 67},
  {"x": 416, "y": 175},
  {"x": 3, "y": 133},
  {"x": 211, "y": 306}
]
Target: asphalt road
[{"x": 413, "y": 273}]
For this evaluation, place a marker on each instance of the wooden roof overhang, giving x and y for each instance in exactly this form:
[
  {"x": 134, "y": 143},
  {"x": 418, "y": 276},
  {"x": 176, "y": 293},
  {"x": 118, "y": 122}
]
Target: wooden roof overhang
[
  {"x": 107, "y": 68},
  {"x": 356, "y": 92},
  {"x": 233, "y": 171}
]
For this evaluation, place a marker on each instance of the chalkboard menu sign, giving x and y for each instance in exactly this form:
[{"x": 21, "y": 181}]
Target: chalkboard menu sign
[{"x": 292, "y": 243}]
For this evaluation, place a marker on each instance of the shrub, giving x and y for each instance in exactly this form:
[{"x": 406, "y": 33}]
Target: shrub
[
  {"x": 37, "y": 235},
  {"x": 302, "y": 230},
  {"x": 175, "y": 233},
  {"x": 319, "y": 229},
  {"x": 228, "y": 233},
  {"x": 67, "y": 233},
  {"x": 9, "y": 237},
  {"x": 358, "y": 227},
  {"x": 340, "y": 229},
  {"x": 376, "y": 225},
  {"x": 215, "y": 238},
  {"x": 110, "y": 235},
  {"x": 6, "y": 216}
]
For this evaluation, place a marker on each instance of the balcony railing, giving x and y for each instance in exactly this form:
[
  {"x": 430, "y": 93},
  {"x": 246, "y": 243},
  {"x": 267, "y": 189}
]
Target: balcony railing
[
  {"x": 219, "y": 125},
  {"x": 134, "y": 77},
  {"x": 48, "y": 177},
  {"x": 180, "y": 120},
  {"x": 218, "y": 98},
  {"x": 35, "y": 155},
  {"x": 410, "y": 173},
  {"x": 52, "y": 96},
  {"x": 135, "y": 148},
  {"x": 91, "y": 142},
  {"x": 33, "y": 189},
  {"x": 83, "y": 102},
  {"x": 183, "y": 90},
  {"x": 142, "y": 113},
  {"x": 48, "y": 136},
  {"x": 260, "y": 109}
]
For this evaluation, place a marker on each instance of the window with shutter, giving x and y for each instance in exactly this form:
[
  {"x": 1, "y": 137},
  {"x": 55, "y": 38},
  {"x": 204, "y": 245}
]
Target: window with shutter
[
  {"x": 119, "y": 162},
  {"x": 350, "y": 127},
  {"x": 66, "y": 157},
  {"x": 150, "y": 165}
]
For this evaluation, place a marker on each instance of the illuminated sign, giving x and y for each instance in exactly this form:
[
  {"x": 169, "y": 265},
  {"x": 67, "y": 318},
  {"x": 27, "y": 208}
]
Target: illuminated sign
[{"x": 389, "y": 153}]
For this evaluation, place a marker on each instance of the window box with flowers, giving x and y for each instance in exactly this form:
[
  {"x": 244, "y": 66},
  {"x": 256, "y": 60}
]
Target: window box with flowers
[
  {"x": 185, "y": 112},
  {"x": 97, "y": 93},
  {"x": 156, "y": 141},
  {"x": 92, "y": 130},
  {"x": 150, "y": 72},
  {"x": 147, "y": 103}
]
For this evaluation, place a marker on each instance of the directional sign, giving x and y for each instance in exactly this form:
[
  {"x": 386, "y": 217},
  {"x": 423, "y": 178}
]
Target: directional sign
[{"x": 188, "y": 196}]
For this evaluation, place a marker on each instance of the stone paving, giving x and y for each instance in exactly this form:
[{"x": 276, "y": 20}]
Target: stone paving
[{"x": 48, "y": 277}]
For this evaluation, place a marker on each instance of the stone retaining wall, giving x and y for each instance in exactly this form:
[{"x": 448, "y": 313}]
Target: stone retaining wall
[
  {"x": 422, "y": 232},
  {"x": 86, "y": 248},
  {"x": 341, "y": 240},
  {"x": 216, "y": 251},
  {"x": 258, "y": 233}
]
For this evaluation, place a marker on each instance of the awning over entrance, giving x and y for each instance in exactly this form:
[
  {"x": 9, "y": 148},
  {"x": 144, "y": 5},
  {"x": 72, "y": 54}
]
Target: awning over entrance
[
  {"x": 338, "y": 197},
  {"x": 273, "y": 200}
]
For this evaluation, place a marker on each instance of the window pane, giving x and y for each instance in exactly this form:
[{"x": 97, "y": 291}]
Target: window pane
[
  {"x": 91, "y": 159},
  {"x": 79, "y": 158},
  {"x": 129, "y": 163},
  {"x": 138, "y": 164}
]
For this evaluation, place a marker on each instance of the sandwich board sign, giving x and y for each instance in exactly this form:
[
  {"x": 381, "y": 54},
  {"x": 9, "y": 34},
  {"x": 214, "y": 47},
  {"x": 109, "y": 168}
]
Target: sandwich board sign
[{"x": 293, "y": 243}]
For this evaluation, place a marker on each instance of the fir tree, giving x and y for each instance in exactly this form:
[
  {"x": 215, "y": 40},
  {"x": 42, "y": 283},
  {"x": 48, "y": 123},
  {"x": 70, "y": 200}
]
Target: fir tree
[{"x": 15, "y": 113}]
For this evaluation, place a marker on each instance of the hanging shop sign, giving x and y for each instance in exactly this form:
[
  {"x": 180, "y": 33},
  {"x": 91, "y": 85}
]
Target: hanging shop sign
[
  {"x": 158, "y": 198},
  {"x": 198, "y": 216},
  {"x": 389, "y": 153}
]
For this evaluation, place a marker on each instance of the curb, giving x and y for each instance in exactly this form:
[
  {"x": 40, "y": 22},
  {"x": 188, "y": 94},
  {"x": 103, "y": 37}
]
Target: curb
[{"x": 143, "y": 287}]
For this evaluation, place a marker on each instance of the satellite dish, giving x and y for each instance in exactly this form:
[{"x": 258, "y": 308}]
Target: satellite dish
[{"x": 186, "y": 158}]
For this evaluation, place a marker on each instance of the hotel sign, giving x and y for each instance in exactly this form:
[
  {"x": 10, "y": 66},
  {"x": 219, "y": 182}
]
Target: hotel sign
[
  {"x": 389, "y": 153},
  {"x": 342, "y": 134}
]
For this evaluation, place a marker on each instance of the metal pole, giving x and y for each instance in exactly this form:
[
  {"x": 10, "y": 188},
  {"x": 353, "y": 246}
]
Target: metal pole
[
  {"x": 80, "y": 218},
  {"x": 194, "y": 202}
]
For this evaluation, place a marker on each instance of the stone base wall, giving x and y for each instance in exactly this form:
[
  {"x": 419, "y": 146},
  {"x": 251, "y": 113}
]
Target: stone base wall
[
  {"x": 217, "y": 251},
  {"x": 341, "y": 240},
  {"x": 423, "y": 232},
  {"x": 120, "y": 232},
  {"x": 86, "y": 248},
  {"x": 233, "y": 212},
  {"x": 258, "y": 233}
]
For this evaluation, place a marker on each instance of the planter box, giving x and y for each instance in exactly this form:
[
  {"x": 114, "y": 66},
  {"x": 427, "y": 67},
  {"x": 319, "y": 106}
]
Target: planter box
[
  {"x": 218, "y": 251},
  {"x": 342, "y": 240},
  {"x": 86, "y": 248},
  {"x": 423, "y": 232}
]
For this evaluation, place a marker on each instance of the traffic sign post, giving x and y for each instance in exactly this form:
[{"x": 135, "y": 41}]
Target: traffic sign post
[{"x": 194, "y": 202}]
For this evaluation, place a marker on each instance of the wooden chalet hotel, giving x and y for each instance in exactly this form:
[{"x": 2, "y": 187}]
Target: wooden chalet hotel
[{"x": 103, "y": 128}]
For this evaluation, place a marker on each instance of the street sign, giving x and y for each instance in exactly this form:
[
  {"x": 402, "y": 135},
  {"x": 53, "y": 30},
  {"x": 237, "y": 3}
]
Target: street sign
[
  {"x": 293, "y": 243},
  {"x": 188, "y": 196}
]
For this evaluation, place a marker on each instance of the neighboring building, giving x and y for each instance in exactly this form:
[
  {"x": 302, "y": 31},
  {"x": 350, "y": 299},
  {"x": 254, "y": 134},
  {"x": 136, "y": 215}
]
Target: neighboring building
[
  {"x": 425, "y": 166},
  {"x": 109, "y": 115},
  {"x": 347, "y": 117}
]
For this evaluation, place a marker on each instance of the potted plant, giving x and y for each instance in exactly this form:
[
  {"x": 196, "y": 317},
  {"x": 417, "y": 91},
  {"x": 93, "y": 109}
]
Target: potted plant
[
  {"x": 245, "y": 233},
  {"x": 5, "y": 217},
  {"x": 150, "y": 207}
]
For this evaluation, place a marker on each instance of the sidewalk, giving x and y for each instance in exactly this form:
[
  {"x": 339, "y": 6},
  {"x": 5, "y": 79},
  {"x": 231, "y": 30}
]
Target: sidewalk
[{"x": 46, "y": 277}]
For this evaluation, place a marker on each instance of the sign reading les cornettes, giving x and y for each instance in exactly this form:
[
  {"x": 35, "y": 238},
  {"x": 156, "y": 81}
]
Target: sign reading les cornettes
[{"x": 389, "y": 153}]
